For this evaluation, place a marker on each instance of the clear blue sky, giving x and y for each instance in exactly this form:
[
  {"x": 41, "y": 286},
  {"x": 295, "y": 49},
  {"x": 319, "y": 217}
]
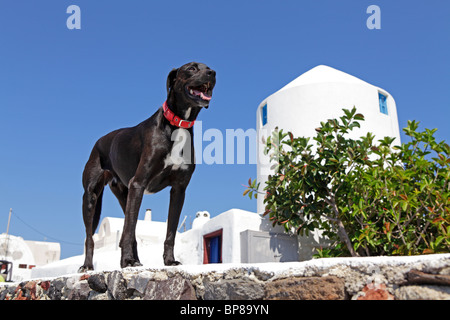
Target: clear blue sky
[{"x": 60, "y": 89}]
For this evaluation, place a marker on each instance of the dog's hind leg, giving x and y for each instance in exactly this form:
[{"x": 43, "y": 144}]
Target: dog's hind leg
[
  {"x": 120, "y": 191},
  {"x": 97, "y": 212},
  {"x": 94, "y": 180}
]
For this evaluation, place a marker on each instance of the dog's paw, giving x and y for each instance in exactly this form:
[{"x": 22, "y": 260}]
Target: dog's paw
[
  {"x": 125, "y": 263},
  {"x": 172, "y": 263},
  {"x": 84, "y": 269}
]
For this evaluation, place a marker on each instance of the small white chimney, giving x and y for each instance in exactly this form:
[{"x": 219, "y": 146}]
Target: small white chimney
[{"x": 148, "y": 215}]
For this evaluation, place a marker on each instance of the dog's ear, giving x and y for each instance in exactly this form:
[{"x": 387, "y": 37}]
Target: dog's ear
[{"x": 171, "y": 79}]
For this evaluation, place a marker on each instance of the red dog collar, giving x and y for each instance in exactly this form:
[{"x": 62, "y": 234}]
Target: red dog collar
[{"x": 175, "y": 120}]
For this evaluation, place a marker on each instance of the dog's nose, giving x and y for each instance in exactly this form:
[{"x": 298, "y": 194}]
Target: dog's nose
[{"x": 211, "y": 73}]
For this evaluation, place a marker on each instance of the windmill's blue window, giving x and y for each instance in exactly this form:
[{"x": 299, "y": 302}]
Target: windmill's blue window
[
  {"x": 383, "y": 103},
  {"x": 264, "y": 114}
]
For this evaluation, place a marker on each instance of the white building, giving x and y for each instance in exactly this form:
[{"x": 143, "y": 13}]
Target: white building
[
  {"x": 225, "y": 239},
  {"x": 148, "y": 232},
  {"x": 317, "y": 95},
  {"x": 234, "y": 236},
  {"x": 26, "y": 255}
]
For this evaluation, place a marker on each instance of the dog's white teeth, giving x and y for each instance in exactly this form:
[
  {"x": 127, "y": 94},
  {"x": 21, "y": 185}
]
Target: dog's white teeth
[{"x": 191, "y": 91}]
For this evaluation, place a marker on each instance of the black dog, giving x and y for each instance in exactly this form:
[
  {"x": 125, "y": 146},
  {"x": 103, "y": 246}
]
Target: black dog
[{"x": 140, "y": 159}]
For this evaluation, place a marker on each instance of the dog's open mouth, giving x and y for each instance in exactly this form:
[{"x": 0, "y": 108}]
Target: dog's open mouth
[{"x": 203, "y": 91}]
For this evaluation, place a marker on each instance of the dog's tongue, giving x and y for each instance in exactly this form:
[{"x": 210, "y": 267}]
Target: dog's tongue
[{"x": 202, "y": 95}]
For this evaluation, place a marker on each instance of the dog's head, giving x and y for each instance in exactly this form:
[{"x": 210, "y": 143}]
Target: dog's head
[{"x": 191, "y": 85}]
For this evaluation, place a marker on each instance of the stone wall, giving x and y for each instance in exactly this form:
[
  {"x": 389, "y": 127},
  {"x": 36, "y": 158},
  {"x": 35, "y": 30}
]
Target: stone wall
[{"x": 386, "y": 278}]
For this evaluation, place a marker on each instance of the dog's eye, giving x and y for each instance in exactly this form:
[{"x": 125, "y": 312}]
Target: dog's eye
[{"x": 192, "y": 68}]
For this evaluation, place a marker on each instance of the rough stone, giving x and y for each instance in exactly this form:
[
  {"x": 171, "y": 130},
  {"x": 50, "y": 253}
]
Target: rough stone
[
  {"x": 95, "y": 295},
  {"x": 374, "y": 291},
  {"x": 422, "y": 292},
  {"x": 421, "y": 277},
  {"x": 445, "y": 271},
  {"x": 174, "y": 288},
  {"x": 4, "y": 295},
  {"x": 117, "y": 286},
  {"x": 139, "y": 282},
  {"x": 55, "y": 290},
  {"x": 45, "y": 285},
  {"x": 20, "y": 295},
  {"x": 263, "y": 276},
  {"x": 159, "y": 275},
  {"x": 97, "y": 282},
  {"x": 30, "y": 287},
  {"x": 70, "y": 282},
  {"x": 233, "y": 289},
  {"x": 80, "y": 291},
  {"x": 306, "y": 288},
  {"x": 9, "y": 293}
]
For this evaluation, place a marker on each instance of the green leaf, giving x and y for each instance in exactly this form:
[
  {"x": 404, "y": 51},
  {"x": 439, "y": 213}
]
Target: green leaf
[
  {"x": 404, "y": 205},
  {"x": 353, "y": 125}
]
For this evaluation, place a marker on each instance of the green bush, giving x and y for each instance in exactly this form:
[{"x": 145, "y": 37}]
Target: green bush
[{"x": 366, "y": 199}]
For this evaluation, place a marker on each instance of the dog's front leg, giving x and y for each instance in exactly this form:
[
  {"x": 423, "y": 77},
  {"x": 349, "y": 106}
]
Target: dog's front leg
[
  {"x": 177, "y": 194},
  {"x": 128, "y": 242}
]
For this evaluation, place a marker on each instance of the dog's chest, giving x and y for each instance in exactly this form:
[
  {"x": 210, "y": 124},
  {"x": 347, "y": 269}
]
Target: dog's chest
[{"x": 179, "y": 157}]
